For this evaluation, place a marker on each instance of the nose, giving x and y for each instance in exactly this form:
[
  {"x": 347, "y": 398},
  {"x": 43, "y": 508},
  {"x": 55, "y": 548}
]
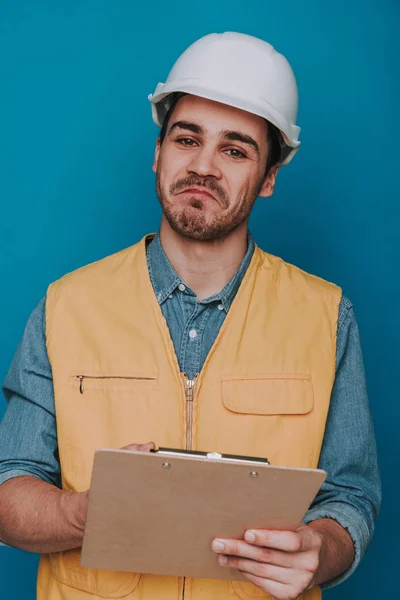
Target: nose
[{"x": 204, "y": 163}]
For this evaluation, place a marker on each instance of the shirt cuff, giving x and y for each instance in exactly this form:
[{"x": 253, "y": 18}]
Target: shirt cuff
[
  {"x": 351, "y": 520},
  {"x": 16, "y": 473}
]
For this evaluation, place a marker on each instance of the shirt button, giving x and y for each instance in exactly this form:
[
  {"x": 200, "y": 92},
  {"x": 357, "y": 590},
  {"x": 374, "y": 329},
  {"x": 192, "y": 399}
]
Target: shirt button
[
  {"x": 220, "y": 307},
  {"x": 181, "y": 287},
  {"x": 170, "y": 296},
  {"x": 192, "y": 334}
]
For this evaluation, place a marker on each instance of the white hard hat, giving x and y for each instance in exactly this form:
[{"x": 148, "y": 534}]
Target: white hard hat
[{"x": 239, "y": 70}]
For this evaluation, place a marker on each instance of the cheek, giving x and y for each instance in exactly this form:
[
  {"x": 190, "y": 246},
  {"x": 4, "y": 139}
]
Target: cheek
[
  {"x": 174, "y": 162},
  {"x": 171, "y": 171},
  {"x": 238, "y": 186},
  {"x": 252, "y": 183}
]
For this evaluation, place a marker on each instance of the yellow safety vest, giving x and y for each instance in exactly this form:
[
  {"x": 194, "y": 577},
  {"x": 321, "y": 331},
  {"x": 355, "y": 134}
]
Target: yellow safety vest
[{"x": 264, "y": 390}]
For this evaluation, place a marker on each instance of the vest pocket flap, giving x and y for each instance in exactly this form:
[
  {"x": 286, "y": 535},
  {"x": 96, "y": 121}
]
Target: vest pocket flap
[{"x": 268, "y": 394}]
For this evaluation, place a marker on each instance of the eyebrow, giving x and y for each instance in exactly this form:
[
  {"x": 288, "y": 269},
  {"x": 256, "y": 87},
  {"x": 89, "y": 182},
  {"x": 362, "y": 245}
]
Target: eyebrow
[
  {"x": 187, "y": 126},
  {"x": 233, "y": 136}
]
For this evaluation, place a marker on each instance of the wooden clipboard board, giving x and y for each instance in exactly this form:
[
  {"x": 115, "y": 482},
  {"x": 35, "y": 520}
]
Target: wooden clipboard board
[{"x": 147, "y": 517}]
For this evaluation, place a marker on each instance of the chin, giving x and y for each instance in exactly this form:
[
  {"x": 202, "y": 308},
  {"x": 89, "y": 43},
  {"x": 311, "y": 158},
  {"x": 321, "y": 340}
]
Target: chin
[{"x": 197, "y": 228}]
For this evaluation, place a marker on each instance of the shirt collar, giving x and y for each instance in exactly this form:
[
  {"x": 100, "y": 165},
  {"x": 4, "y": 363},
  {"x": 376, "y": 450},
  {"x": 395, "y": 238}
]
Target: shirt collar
[
  {"x": 162, "y": 274},
  {"x": 165, "y": 279}
]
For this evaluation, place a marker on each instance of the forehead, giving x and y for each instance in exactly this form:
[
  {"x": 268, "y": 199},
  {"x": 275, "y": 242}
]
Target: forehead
[{"x": 215, "y": 117}]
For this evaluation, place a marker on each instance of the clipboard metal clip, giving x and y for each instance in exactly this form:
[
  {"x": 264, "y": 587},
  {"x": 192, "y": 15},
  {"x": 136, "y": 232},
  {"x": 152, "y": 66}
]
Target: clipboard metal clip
[
  {"x": 214, "y": 455},
  {"x": 170, "y": 452}
]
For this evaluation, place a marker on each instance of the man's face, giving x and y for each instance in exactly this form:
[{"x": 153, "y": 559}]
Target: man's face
[{"x": 211, "y": 168}]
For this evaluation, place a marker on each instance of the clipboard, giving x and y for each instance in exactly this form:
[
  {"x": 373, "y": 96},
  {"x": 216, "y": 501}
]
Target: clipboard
[{"x": 158, "y": 512}]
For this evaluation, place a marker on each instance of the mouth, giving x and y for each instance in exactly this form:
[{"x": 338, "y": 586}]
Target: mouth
[{"x": 197, "y": 192}]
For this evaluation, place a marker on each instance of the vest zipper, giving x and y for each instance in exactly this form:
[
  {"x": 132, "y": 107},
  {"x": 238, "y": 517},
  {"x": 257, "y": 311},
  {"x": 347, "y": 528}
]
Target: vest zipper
[
  {"x": 82, "y": 377},
  {"x": 183, "y": 589},
  {"x": 189, "y": 412},
  {"x": 189, "y": 423}
]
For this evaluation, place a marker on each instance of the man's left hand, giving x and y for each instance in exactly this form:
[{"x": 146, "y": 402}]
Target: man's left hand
[{"x": 281, "y": 563}]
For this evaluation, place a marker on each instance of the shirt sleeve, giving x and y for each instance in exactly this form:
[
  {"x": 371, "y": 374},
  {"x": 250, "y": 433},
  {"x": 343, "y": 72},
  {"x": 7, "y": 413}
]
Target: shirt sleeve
[
  {"x": 28, "y": 435},
  {"x": 351, "y": 494}
]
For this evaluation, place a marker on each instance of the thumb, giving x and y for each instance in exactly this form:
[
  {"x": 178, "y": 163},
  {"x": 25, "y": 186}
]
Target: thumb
[{"x": 140, "y": 447}]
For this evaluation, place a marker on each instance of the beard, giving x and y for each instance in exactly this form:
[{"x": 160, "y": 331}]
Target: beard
[{"x": 191, "y": 221}]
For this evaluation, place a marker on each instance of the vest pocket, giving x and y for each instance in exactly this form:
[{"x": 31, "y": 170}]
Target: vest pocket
[
  {"x": 118, "y": 381},
  {"x": 275, "y": 394},
  {"x": 66, "y": 568}
]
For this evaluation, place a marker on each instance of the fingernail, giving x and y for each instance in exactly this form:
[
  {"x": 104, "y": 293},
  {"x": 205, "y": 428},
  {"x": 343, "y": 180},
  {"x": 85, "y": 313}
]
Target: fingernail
[
  {"x": 249, "y": 536},
  {"x": 222, "y": 559},
  {"x": 217, "y": 546}
]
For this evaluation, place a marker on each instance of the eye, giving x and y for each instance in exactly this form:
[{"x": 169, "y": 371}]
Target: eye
[
  {"x": 186, "y": 142},
  {"x": 235, "y": 153}
]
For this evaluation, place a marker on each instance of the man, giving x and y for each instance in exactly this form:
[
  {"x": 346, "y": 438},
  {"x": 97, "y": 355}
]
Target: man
[{"x": 196, "y": 338}]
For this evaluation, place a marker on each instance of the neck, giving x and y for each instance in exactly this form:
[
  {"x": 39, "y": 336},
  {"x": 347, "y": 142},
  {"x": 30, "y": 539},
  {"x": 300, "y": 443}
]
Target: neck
[{"x": 206, "y": 267}]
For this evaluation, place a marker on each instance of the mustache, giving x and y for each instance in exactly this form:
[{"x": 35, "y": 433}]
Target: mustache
[{"x": 209, "y": 185}]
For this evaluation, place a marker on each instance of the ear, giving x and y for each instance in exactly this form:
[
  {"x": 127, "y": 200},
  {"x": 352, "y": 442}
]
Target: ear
[
  {"x": 269, "y": 182},
  {"x": 156, "y": 155}
]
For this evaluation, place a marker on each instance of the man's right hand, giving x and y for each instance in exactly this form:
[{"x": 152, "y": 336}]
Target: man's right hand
[
  {"x": 83, "y": 497},
  {"x": 36, "y": 516}
]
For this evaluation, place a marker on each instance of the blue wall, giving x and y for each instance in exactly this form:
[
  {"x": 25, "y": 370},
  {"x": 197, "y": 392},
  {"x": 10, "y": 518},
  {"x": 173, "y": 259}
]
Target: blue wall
[{"x": 76, "y": 182}]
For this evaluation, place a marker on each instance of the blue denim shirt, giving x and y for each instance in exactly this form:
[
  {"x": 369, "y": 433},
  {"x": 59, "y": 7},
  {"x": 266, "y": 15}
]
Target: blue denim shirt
[{"x": 351, "y": 493}]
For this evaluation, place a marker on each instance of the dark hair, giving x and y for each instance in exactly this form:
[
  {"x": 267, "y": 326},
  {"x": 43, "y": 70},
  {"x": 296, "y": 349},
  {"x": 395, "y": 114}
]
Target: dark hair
[{"x": 273, "y": 137}]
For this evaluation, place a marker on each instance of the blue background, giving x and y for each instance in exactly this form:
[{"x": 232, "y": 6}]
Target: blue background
[{"x": 76, "y": 184}]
